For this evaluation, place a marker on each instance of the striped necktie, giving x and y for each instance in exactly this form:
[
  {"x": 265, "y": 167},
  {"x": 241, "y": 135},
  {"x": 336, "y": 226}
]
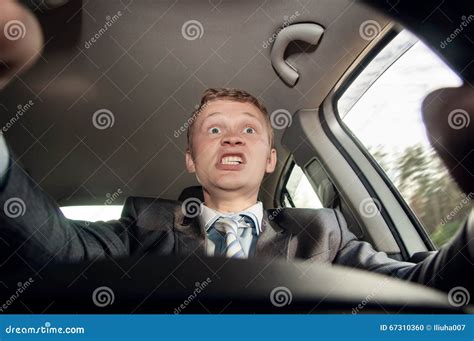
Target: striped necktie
[{"x": 229, "y": 226}]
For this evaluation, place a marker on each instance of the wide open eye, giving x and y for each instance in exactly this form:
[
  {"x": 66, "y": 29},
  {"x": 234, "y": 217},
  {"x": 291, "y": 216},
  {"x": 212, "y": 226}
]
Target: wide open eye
[
  {"x": 249, "y": 130},
  {"x": 214, "y": 130}
]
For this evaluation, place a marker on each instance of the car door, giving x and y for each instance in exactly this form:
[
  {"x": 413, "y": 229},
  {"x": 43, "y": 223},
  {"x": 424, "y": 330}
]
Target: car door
[{"x": 365, "y": 151}]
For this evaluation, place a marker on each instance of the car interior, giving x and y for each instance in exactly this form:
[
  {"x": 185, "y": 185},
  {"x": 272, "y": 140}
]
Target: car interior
[{"x": 104, "y": 113}]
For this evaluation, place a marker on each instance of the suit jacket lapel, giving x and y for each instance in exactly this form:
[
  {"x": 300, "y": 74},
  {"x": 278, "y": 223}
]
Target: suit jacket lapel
[
  {"x": 273, "y": 241},
  {"x": 189, "y": 236}
]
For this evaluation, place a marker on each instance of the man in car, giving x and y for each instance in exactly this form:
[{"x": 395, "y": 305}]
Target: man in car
[{"x": 230, "y": 148}]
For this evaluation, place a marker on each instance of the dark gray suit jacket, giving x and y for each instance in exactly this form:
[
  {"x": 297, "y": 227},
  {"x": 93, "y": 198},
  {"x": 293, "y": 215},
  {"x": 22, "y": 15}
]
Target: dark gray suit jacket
[{"x": 149, "y": 225}]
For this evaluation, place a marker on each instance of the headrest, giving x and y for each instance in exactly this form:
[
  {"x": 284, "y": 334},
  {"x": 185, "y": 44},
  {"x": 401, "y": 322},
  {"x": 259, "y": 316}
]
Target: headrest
[{"x": 192, "y": 192}]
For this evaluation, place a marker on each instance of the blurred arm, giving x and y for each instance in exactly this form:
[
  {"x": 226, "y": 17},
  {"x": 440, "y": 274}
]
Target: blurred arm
[
  {"x": 4, "y": 159},
  {"x": 21, "y": 40}
]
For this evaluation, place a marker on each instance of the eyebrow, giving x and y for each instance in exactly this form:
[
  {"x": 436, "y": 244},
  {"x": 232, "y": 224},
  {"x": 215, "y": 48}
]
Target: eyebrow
[{"x": 220, "y": 113}]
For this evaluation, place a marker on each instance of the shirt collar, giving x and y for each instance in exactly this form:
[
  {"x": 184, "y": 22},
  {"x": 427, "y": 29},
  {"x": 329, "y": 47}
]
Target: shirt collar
[{"x": 208, "y": 216}]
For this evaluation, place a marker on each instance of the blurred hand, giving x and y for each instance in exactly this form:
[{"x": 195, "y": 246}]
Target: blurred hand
[
  {"x": 449, "y": 118},
  {"x": 21, "y": 40}
]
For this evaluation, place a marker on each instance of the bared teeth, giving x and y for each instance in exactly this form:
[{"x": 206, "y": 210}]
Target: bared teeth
[{"x": 231, "y": 160}]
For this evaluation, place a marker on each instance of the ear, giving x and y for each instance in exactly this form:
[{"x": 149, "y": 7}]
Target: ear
[
  {"x": 271, "y": 161},
  {"x": 190, "y": 162}
]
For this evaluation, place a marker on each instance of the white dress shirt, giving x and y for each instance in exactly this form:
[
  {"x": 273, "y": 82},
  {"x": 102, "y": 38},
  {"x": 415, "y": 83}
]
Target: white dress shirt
[{"x": 215, "y": 241}]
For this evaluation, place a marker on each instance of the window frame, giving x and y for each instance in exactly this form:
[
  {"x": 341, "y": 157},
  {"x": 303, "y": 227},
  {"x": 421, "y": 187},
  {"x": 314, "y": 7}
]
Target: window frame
[
  {"x": 339, "y": 90},
  {"x": 393, "y": 229},
  {"x": 281, "y": 190},
  {"x": 278, "y": 200}
]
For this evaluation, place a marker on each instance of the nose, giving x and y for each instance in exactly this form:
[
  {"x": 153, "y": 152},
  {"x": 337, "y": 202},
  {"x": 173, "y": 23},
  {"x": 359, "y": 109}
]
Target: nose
[{"x": 232, "y": 139}]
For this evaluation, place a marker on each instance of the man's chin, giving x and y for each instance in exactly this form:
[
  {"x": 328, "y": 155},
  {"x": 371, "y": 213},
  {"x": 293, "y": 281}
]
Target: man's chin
[{"x": 231, "y": 184}]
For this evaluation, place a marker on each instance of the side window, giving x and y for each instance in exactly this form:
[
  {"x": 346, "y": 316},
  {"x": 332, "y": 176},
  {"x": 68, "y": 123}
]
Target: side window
[
  {"x": 382, "y": 109},
  {"x": 93, "y": 213},
  {"x": 298, "y": 191}
]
